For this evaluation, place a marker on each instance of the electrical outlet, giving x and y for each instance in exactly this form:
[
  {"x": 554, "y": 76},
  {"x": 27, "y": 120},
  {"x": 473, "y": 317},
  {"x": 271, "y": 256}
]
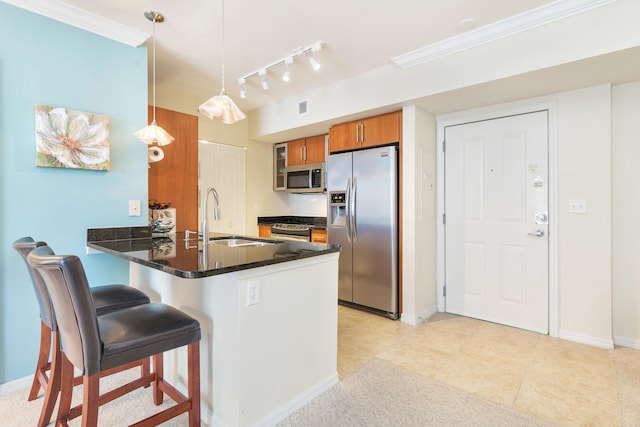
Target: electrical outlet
[{"x": 253, "y": 292}]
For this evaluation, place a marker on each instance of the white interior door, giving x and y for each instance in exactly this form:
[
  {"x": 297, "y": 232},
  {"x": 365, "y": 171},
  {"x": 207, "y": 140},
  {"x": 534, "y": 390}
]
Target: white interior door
[
  {"x": 496, "y": 204},
  {"x": 224, "y": 168}
]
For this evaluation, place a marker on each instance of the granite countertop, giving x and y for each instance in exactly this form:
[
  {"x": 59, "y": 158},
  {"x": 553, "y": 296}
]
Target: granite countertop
[{"x": 173, "y": 255}]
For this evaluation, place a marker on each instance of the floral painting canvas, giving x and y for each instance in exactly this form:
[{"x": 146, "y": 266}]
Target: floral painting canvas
[{"x": 71, "y": 139}]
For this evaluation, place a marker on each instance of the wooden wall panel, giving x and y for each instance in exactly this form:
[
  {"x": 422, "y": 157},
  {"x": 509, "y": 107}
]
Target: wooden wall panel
[{"x": 174, "y": 179}]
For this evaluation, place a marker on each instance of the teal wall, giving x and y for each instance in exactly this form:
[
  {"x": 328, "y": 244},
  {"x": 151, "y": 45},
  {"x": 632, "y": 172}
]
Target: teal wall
[{"x": 46, "y": 62}]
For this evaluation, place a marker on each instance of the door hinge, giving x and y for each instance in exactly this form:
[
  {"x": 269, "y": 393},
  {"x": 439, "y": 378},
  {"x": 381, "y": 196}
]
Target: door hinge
[
  {"x": 444, "y": 219},
  {"x": 444, "y": 146},
  {"x": 444, "y": 291}
]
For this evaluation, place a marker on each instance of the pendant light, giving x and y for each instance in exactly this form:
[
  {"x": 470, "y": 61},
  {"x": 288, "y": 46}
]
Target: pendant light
[
  {"x": 154, "y": 134},
  {"x": 221, "y": 106}
]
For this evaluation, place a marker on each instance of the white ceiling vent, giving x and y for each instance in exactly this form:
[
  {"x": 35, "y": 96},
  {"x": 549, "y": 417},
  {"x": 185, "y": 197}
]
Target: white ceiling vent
[{"x": 303, "y": 107}]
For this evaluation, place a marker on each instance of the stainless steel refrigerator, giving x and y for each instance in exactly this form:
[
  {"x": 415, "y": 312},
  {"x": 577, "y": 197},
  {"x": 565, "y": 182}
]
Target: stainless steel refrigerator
[{"x": 363, "y": 219}]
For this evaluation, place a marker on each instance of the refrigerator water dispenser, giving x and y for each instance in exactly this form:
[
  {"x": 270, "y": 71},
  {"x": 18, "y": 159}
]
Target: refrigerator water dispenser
[{"x": 338, "y": 209}]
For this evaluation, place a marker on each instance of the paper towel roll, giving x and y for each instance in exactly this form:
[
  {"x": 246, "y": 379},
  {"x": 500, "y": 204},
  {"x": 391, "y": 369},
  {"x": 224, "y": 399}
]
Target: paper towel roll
[{"x": 155, "y": 154}]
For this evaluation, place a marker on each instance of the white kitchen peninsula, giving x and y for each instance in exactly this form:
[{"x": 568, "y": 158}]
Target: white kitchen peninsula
[{"x": 259, "y": 362}]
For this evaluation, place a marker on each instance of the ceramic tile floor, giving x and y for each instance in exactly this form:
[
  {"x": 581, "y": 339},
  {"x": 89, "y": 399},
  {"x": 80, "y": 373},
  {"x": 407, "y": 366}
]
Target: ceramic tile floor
[{"x": 556, "y": 380}]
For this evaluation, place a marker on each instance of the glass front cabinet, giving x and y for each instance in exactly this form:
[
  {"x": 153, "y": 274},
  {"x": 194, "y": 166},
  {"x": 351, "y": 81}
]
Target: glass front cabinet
[{"x": 279, "y": 166}]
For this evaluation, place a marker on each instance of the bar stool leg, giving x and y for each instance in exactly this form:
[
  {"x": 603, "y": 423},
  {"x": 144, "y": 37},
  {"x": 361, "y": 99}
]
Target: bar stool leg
[
  {"x": 66, "y": 391},
  {"x": 40, "y": 378},
  {"x": 193, "y": 354},
  {"x": 158, "y": 368},
  {"x": 90, "y": 400},
  {"x": 53, "y": 386}
]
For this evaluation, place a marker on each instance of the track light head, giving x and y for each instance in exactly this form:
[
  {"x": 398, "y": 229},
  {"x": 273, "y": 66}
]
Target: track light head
[
  {"x": 287, "y": 72},
  {"x": 314, "y": 63},
  {"x": 263, "y": 79}
]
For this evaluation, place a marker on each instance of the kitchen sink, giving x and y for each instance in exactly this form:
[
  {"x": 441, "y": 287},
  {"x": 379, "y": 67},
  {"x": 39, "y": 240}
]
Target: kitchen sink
[{"x": 235, "y": 242}]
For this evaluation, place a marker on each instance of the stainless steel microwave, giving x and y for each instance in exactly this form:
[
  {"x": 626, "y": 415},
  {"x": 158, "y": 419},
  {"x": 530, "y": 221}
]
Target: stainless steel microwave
[{"x": 306, "y": 178}]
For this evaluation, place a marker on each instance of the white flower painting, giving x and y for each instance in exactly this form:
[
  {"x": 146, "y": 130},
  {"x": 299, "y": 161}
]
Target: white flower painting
[{"x": 71, "y": 139}]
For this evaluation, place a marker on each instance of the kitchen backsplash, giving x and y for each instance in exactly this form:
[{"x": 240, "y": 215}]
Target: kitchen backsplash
[{"x": 308, "y": 204}]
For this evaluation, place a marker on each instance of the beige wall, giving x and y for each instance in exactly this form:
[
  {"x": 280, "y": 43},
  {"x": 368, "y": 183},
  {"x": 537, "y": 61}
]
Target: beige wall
[
  {"x": 626, "y": 206},
  {"x": 584, "y": 240},
  {"x": 419, "y": 214}
]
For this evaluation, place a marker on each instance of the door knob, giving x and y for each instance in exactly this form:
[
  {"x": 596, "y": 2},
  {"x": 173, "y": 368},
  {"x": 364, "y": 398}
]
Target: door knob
[{"x": 537, "y": 233}]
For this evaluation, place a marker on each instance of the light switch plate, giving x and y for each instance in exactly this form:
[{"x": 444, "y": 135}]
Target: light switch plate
[
  {"x": 134, "y": 207},
  {"x": 577, "y": 206}
]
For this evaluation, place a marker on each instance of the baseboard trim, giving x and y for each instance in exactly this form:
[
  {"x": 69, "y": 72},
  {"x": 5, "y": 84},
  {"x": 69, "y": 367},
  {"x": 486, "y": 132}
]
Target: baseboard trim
[
  {"x": 627, "y": 342},
  {"x": 293, "y": 405},
  {"x": 415, "y": 320},
  {"x": 585, "y": 339},
  {"x": 16, "y": 385}
]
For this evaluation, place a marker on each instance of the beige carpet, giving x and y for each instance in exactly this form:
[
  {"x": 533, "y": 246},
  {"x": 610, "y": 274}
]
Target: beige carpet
[
  {"x": 376, "y": 394},
  {"x": 381, "y": 394},
  {"x": 15, "y": 411}
]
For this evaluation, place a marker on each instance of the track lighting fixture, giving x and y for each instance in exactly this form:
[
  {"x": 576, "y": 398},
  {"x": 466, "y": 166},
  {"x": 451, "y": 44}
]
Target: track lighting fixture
[{"x": 287, "y": 61}]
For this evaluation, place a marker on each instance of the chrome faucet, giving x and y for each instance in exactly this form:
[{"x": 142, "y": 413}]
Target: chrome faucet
[{"x": 216, "y": 209}]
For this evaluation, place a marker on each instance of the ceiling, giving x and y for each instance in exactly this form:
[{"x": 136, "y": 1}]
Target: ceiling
[{"x": 357, "y": 37}]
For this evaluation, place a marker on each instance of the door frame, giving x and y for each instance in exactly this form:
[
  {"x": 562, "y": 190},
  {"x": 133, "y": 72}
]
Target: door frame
[{"x": 495, "y": 112}]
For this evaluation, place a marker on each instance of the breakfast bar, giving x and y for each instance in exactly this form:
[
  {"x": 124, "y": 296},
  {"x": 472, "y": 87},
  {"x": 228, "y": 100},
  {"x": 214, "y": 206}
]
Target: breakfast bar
[{"x": 267, "y": 310}]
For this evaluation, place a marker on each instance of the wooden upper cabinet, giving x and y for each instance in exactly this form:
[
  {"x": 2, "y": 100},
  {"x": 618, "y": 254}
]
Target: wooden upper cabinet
[
  {"x": 295, "y": 152},
  {"x": 380, "y": 130},
  {"x": 306, "y": 151},
  {"x": 369, "y": 132},
  {"x": 316, "y": 149},
  {"x": 174, "y": 179}
]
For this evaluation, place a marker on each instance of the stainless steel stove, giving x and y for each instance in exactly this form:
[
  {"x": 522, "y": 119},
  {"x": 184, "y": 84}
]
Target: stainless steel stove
[{"x": 300, "y": 232}]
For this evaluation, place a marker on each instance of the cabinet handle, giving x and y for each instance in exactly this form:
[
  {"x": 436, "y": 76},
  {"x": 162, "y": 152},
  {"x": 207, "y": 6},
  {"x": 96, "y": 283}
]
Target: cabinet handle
[
  {"x": 361, "y": 132},
  {"x": 305, "y": 154},
  {"x": 357, "y": 133}
]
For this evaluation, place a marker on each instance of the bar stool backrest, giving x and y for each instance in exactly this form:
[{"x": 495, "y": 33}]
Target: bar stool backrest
[
  {"x": 24, "y": 246},
  {"x": 73, "y": 306}
]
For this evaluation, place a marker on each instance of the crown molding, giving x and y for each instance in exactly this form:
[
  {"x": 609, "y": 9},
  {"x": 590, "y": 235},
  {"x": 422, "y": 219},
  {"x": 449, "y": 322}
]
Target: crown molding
[
  {"x": 557, "y": 10},
  {"x": 82, "y": 19}
]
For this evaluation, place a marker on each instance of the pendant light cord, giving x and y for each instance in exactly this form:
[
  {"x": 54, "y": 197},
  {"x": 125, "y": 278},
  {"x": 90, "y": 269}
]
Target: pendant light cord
[
  {"x": 223, "y": 92},
  {"x": 154, "y": 69}
]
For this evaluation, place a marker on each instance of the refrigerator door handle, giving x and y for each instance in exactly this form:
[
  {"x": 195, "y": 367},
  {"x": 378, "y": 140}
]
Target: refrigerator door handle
[
  {"x": 348, "y": 202},
  {"x": 354, "y": 216}
]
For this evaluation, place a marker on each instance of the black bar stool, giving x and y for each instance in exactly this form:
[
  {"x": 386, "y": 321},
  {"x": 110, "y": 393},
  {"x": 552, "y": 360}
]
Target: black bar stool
[
  {"x": 106, "y": 299},
  {"x": 95, "y": 344}
]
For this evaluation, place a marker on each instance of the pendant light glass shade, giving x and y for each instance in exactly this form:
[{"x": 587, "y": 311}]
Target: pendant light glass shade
[
  {"x": 154, "y": 134},
  {"x": 221, "y": 106}
]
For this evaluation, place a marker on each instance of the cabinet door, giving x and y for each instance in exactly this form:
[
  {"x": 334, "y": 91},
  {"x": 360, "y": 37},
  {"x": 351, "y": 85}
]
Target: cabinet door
[
  {"x": 295, "y": 152},
  {"x": 264, "y": 231},
  {"x": 315, "y": 147},
  {"x": 343, "y": 137},
  {"x": 382, "y": 129},
  {"x": 279, "y": 166},
  {"x": 319, "y": 236}
]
